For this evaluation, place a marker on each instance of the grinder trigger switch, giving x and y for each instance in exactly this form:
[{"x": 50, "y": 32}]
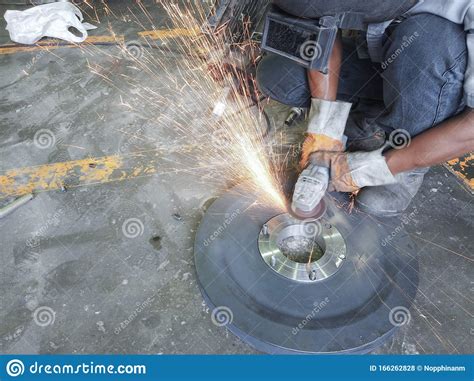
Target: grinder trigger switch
[{"x": 309, "y": 191}]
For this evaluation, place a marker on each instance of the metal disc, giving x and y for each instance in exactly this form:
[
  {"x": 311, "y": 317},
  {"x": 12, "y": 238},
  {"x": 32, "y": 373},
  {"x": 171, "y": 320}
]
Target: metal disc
[
  {"x": 352, "y": 311},
  {"x": 307, "y": 251}
]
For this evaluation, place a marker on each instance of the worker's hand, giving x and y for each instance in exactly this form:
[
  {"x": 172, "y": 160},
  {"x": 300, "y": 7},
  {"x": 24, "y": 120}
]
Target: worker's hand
[
  {"x": 326, "y": 124},
  {"x": 354, "y": 170},
  {"x": 318, "y": 142}
]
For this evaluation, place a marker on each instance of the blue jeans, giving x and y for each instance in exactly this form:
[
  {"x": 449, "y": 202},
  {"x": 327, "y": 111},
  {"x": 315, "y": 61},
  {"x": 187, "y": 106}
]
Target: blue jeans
[{"x": 419, "y": 84}]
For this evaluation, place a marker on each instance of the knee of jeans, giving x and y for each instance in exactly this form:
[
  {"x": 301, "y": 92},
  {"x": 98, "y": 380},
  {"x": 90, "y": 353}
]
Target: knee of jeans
[
  {"x": 423, "y": 81},
  {"x": 282, "y": 81},
  {"x": 264, "y": 78}
]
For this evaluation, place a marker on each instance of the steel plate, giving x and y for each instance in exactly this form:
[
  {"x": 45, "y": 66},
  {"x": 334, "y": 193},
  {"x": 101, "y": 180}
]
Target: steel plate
[{"x": 352, "y": 311}]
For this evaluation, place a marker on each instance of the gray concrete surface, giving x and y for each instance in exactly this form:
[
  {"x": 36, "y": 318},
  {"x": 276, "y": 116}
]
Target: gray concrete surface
[{"x": 65, "y": 256}]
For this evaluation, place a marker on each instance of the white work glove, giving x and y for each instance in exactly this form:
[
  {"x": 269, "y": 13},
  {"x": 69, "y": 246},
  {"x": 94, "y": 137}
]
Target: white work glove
[
  {"x": 354, "y": 170},
  {"x": 327, "y": 121},
  {"x": 326, "y": 124}
]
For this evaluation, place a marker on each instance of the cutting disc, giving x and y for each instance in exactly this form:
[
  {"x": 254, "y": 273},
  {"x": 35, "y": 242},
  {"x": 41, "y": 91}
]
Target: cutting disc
[{"x": 353, "y": 310}]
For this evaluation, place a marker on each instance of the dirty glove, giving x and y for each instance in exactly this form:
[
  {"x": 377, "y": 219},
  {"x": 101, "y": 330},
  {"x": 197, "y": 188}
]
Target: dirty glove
[
  {"x": 354, "y": 170},
  {"x": 327, "y": 121}
]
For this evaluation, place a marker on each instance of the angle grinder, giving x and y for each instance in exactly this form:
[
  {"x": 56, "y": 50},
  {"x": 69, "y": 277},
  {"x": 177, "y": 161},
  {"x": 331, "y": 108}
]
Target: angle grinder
[{"x": 308, "y": 196}]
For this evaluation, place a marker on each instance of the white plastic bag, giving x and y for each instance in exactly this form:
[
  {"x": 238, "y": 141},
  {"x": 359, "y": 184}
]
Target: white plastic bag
[{"x": 48, "y": 20}]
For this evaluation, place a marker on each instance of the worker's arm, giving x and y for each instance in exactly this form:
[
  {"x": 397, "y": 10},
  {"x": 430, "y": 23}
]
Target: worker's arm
[
  {"x": 324, "y": 86},
  {"x": 354, "y": 170},
  {"x": 449, "y": 140},
  {"x": 327, "y": 117},
  {"x": 326, "y": 123}
]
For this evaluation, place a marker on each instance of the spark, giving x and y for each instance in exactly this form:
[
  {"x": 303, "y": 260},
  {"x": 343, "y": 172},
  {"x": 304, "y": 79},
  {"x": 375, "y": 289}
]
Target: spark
[
  {"x": 196, "y": 98},
  {"x": 211, "y": 117},
  {"x": 243, "y": 132}
]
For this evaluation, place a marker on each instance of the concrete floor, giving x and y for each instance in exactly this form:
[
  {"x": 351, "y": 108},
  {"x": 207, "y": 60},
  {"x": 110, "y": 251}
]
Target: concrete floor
[{"x": 65, "y": 253}]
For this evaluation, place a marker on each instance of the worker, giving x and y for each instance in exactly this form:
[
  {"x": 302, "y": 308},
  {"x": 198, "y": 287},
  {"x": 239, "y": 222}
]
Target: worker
[{"x": 375, "y": 128}]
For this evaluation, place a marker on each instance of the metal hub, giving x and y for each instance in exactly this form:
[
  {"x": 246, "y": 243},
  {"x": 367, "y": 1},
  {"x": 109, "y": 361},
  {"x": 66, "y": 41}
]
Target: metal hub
[{"x": 306, "y": 251}]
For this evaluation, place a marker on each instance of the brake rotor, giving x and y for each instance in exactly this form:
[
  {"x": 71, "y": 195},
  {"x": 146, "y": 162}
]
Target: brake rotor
[{"x": 340, "y": 284}]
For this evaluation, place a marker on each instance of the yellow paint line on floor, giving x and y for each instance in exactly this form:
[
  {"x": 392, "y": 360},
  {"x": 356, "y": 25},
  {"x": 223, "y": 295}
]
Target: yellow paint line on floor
[
  {"x": 55, "y": 44},
  {"x": 17, "y": 182},
  {"x": 105, "y": 39},
  {"x": 158, "y": 34},
  {"x": 462, "y": 168},
  {"x": 20, "y": 181}
]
